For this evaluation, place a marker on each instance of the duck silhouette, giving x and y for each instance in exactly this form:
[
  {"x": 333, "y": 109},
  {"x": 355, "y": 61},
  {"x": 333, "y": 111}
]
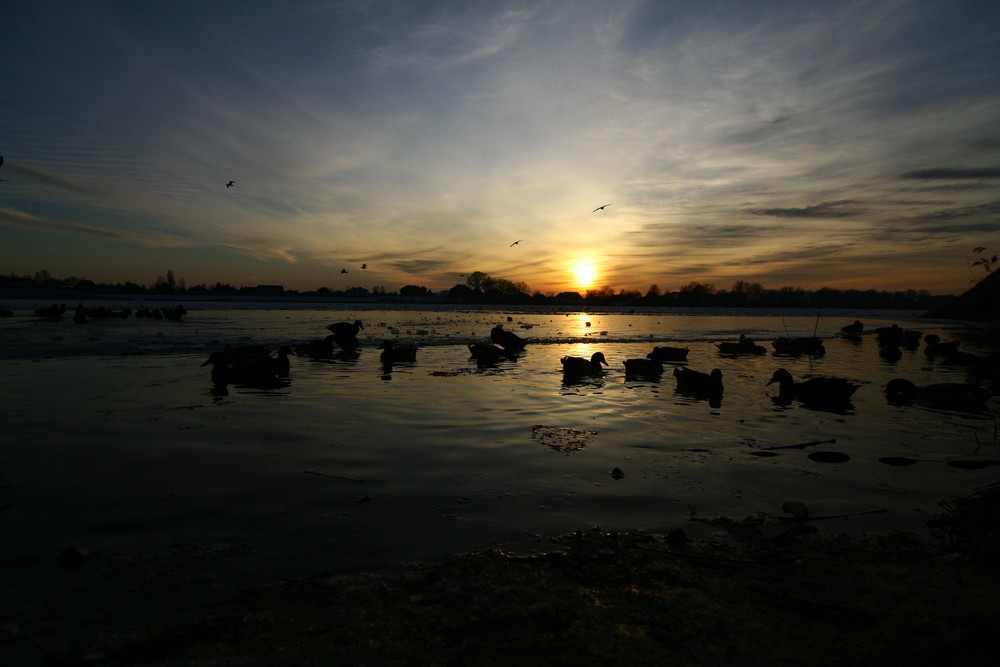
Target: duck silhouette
[
  {"x": 345, "y": 334},
  {"x": 935, "y": 348},
  {"x": 958, "y": 396},
  {"x": 489, "y": 355},
  {"x": 280, "y": 364},
  {"x": 744, "y": 345},
  {"x": 668, "y": 354},
  {"x": 508, "y": 340},
  {"x": 257, "y": 375},
  {"x": 391, "y": 353},
  {"x": 821, "y": 391},
  {"x": 795, "y": 347},
  {"x": 698, "y": 384},
  {"x": 650, "y": 369},
  {"x": 854, "y": 329},
  {"x": 580, "y": 367}
]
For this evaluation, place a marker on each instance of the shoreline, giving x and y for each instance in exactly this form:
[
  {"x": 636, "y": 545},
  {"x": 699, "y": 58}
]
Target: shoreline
[{"x": 760, "y": 592}]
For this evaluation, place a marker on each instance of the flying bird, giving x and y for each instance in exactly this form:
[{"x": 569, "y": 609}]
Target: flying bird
[
  {"x": 600, "y": 208},
  {"x": 515, "y": 243},
  {"x": 230, "y": 184},
  {"x": 343, "y": 270},
  {"x": 364, "y": 266}
]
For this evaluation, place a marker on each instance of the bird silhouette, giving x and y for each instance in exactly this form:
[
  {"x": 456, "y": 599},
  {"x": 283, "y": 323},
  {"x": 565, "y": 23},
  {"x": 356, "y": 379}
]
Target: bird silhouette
[
  {"x": 364, "y": 266},
  {"x": 600, "y": 208},
  {"x": 230, "y": 184},
  {"x": 515, "y": 243},
  {"x": 343, "y": 270},
  {"x": 579, "y": 367}
]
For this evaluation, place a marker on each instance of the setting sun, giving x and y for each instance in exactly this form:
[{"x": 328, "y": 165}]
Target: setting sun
[{"x": 585, "y": 272}]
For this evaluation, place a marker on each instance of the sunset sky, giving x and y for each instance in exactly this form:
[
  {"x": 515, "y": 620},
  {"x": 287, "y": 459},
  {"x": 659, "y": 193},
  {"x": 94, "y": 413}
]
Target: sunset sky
[{"x": 845, "y": 144}]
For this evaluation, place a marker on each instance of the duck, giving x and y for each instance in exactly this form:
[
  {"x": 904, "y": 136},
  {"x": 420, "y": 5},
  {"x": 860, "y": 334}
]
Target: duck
[
  {"x": 280, "y": 364},
  {"x": 647, "y": 368},
  {"x": 696, "y": 383},
  {"x": 391, "y": 353},
  {"x": 890, "y": 352},
  {"x": 245, "y": 353},
  {"x": 817, "y": 391},
  {"x": 488, "y": 355},
  {"x": 854, "y": 329},
  {"x": 578, "y": 366},
  {"x": 506, "y": 339},
  {"x": 668, "y": 354},
  {"x": 52, "y": 311},
  {"x": 345, "y": 334},
  {"x": 812, "y": 347},
  {"x": 250, "y": 374},
  {"x": 960, "y": 396},
  {"x": 894, "y": 335},
  {"x": 935, "y": 348},
  {"x": 320, "y": 348},
  {"x": 744, "y": 345}
]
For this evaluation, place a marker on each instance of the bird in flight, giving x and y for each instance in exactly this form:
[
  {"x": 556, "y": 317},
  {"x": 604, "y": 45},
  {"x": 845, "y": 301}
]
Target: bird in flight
[
  {"x": 343, "y": 270},
  {"x": 600, "y": 208},
  {"x": 515, "y": 243},
  {"x": 230, "y": 184},
  {"x": 364, "y": 266}
]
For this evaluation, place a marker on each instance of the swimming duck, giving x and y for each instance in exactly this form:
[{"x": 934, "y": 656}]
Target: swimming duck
[
  {"x": 853, "y": 329},
  {"x": 960, "y": 396},
  {"x": 320, "y": 348},
  {"x": 280, "y": 365},
  {"x": 506, "y": 339},
  {"x": 391, "y": 353},
  {"x": 52, "y": 311},
  {"x": 696, "y": 383},
  {"x": 488, "y": 355},
  {"x": 743, "y": 346},
  {"x": 251, "y": 374},
  {"x": 245, "y": 353},
  {"x": 816, "y": 391},
  {"x": 579, "y": 367},
  {"x": 894, "y": 335},
  {"x": 647, "y": 368},
  {"x": 812, "y": 347},
  {"x": 345, "y": 334},
  {"x": 668, "y": 354},
  {"x": 935, "y": 348}
]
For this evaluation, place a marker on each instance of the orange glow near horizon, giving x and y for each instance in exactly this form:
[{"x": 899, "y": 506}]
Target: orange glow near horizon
[{"x": 585, "y": 274}]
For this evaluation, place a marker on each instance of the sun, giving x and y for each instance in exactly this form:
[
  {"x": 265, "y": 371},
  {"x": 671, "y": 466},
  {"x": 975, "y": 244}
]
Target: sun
[{"x": 585, "y": 272}]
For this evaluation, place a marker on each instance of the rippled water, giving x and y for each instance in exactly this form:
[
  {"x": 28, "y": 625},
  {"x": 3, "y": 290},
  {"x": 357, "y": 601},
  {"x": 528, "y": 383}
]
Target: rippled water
[{"x": 113, "y": 439}]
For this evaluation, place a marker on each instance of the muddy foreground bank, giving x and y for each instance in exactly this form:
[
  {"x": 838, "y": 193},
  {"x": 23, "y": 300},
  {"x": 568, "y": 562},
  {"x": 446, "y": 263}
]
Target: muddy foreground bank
[{"x": 767, "y": 593}]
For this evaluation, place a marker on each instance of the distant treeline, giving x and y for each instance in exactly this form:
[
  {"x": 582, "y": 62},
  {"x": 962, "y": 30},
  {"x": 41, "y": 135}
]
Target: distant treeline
[{"x": 480, "y": 288}]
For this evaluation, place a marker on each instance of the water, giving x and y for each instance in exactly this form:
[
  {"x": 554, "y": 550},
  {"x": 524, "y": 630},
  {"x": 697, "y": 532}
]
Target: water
[{"x": 115, "y": 441}]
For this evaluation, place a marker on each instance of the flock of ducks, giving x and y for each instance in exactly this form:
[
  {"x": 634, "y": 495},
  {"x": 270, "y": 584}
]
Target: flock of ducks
[{"x": 253, "y": 366}]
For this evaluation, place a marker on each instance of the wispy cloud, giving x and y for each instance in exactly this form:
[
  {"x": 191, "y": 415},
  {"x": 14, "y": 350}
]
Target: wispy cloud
[{"x": 425, "y": 137}]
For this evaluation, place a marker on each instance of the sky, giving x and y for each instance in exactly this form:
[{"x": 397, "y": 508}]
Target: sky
[{"x": 853, "y": 145}]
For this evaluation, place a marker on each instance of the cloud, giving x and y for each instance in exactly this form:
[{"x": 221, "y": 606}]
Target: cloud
[
  {"x": 947, "y": 173},
  {"x": 57, "y": 181},
  {"x": 266, "y": 248},
  {"x": 824, "y": 210},
  {"x": 16, "y": 218}
]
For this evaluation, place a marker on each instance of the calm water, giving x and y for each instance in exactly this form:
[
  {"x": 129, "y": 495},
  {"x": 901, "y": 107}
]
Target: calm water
[{"x": 114, "y": 441}]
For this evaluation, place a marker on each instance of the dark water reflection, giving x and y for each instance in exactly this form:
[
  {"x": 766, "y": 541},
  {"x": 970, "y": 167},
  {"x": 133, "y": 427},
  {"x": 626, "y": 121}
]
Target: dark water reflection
[{"x": 352, "y": 466}]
